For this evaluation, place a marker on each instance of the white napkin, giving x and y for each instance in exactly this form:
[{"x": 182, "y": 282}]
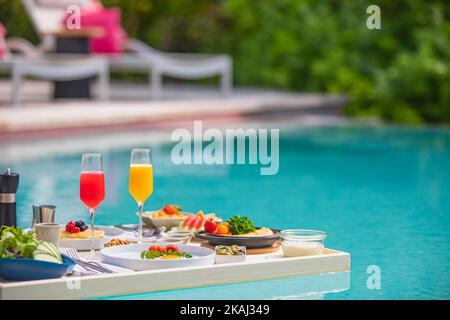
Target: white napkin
[{"x": 80, "y": 271}]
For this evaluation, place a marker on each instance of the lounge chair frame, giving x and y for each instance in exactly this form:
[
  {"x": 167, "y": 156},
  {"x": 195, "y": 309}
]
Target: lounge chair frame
[
  {"x": 56, "y": 68},
  {"x": 46, "y": 21}
]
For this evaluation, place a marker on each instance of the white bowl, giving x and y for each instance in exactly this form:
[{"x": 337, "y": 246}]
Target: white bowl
[
  {"x": 184, "y": 238},
  {"x": 231, "y": 258},
  {"x": 128, "y": 256},
  {"x": 176, "y": 231},
  {"x": 170, "y": 241},
  {"x": 162, "y": 222}
]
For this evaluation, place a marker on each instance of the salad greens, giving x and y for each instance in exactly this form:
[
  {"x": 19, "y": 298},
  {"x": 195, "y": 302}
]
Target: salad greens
[
  {"x": 15, "y": 243},
  {"x": 240, "y": 225},
  {"x": 153, "y": 254}
]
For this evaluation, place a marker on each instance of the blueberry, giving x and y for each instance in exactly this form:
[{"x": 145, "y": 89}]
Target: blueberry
[
  {"x": 83, "y": 227},
  {"x": 80, "y": 224}
]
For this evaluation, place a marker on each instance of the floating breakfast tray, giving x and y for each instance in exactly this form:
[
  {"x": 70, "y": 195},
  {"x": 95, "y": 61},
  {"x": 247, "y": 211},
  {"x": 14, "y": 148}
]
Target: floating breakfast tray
[{"x": 256, "y": 267}]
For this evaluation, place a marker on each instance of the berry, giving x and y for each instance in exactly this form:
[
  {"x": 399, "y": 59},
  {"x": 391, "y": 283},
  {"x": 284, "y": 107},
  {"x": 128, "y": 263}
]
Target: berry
[
  {"x": 210, "y": 226},
  {"x": 81, "y": 224},
  {"x": 71, "y": 227}
]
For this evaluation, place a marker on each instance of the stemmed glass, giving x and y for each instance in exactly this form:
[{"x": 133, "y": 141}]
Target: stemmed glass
[
  {"x": 92, "y": 186},
  {"x": 141, "y": 180}
]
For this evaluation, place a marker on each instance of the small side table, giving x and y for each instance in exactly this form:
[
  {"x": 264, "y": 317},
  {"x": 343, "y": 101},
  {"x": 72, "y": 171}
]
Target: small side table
[{"x": 74, "y": 42}]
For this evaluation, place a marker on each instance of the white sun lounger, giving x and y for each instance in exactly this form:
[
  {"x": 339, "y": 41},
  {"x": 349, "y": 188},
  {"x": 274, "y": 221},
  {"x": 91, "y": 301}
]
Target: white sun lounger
[
  {"x": 51, "y": 67},
  {"x": 47, "y": 21},
  {"x": 64, "y": 69},
  {"x": 176, "y": 65}
]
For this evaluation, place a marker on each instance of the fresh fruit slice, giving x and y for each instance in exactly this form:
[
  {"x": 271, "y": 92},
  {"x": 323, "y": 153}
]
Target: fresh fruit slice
[
  {"x": 200, "y": 214},
  {"x": 193, "y": 223},
  {"x": 187, "y": 222},
  {"x": 196, "y": 222},
  {"x": 171, "y": 209},
  {"x": 47, "y": 251}
]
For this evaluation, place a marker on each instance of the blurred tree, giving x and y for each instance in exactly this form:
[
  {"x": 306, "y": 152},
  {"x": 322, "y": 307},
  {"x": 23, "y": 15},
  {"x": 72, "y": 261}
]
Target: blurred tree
[{"x": 400, "y": 73}]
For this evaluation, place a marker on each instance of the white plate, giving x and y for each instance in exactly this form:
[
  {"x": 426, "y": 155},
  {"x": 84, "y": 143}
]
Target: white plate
[
  {"x": 129, "y": 257},
  {"x": 85, "y": 244}
]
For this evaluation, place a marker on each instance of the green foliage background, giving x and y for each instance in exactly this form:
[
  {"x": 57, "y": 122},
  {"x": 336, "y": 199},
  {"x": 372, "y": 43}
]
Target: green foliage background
[{"x": 400, "y": 73}]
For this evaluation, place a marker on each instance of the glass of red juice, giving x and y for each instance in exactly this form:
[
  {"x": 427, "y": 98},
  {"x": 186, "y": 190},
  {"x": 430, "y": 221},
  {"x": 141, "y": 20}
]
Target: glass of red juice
[{"x": 92, "y": 186}]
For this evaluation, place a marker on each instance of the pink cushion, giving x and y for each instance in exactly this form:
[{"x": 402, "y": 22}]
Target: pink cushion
[
  {"x": 92, "y": 6},
  {"x": 113, "y": 39},
  {"x": 3, "y": 48}
]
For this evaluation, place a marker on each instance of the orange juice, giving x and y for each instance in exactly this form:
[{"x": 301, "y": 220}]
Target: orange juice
[{"x": 141, "y": 181}]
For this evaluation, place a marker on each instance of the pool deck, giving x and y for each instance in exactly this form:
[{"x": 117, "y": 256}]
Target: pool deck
[{"x": 130, "y": 108}]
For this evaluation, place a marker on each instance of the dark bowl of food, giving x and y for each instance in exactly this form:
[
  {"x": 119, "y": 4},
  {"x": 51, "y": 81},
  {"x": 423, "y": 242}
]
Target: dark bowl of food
[{"x": 249, "y": 241}]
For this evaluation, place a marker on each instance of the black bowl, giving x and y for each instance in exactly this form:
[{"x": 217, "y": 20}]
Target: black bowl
[{"x": 249, "y": 242}]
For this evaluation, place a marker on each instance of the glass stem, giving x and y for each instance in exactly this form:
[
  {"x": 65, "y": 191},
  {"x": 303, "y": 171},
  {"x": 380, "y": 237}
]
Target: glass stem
[
  {"x": 140, "y": 239},
  {"x": 91, "y": 213}
]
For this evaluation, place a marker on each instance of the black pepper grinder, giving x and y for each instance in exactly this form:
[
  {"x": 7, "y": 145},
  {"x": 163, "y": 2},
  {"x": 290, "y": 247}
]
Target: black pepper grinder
[{"x": 9, "y": 182}]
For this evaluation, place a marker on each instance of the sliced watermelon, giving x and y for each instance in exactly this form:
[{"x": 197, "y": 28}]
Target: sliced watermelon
[
  {"x": 187, "y": 222},
  {"x": 198, "y": 224},
  {"x": 195, "y": 222}
]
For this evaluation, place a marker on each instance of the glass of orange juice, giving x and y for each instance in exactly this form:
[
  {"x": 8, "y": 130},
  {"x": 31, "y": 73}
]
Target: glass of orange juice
[{"x": 141, "y": 180}]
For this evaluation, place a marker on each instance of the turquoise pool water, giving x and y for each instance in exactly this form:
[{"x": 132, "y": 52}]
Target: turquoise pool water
[{"x": 382, "y": 194}]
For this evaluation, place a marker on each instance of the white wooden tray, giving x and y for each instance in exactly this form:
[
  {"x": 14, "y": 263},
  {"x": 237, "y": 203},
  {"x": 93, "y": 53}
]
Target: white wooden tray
[{"x": 257, "y": 267}]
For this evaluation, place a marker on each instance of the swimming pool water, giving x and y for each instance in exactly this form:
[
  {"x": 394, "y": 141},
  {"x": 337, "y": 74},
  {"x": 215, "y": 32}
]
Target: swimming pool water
[{"x": 382, "y": 194}]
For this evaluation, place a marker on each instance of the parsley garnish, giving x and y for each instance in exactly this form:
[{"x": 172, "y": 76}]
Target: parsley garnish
[{"x": 240, "y": 225}]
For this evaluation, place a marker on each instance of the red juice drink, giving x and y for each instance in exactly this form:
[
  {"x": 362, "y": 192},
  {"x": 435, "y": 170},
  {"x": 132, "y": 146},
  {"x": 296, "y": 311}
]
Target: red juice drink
[{"x": 92, "y": 188}]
